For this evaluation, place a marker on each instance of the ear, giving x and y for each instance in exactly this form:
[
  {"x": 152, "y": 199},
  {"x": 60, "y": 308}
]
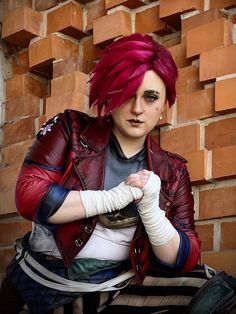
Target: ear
[{"x": 165, "y": 106}]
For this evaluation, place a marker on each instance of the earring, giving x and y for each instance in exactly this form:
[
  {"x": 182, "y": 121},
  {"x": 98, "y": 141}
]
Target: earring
[{"x": 161, "y": 117}]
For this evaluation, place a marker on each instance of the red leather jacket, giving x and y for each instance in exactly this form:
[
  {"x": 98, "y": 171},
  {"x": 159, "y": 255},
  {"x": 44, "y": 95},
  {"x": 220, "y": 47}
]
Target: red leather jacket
[{"x": 69, "y": 152}]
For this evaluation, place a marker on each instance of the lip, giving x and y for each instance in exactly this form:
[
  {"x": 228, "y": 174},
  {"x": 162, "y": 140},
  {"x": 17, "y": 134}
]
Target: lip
[{"x": 135, "y": 121}]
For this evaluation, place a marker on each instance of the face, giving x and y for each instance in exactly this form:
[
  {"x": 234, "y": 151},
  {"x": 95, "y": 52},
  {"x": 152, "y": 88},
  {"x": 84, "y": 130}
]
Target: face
[{"x": 140, "y": 114}]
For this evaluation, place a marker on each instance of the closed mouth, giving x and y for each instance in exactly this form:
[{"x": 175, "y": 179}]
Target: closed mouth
[{"x": 135, "y": 121}]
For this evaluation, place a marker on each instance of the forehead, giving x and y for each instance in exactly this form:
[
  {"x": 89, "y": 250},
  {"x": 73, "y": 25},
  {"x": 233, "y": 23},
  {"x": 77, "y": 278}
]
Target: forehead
[{"x": 151, "y": 81}]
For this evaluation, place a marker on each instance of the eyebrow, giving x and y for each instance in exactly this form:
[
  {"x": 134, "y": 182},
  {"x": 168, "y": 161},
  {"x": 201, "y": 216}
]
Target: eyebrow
[{"x": 151, "y": 91}]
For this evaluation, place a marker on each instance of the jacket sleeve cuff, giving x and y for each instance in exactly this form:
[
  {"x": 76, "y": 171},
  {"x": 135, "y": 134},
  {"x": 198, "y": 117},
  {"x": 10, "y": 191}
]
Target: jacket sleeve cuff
[
  {"x": 51, "y": 202},
  {"x": 181, "y": 257}
]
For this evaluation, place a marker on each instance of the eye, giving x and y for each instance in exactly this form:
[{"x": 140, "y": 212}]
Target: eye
[{"x": 150, "y": 97}]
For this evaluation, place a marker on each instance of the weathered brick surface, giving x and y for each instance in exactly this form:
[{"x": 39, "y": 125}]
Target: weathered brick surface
[
  {"x": 187, "y": 139},
  {"x": 111, "y": 26},
  {"x": 75, "y": 81},
  {"x": 148, "y": 21},
  {"x": 222, "y": 4},
  {"x": 41, "y": 5},
  {"x": 22, "y": 106},
  {"x": 94, "y": 11},
  {"x": 67, "y": 19},
  {"x": 209, "y": 36},
  {"x": 201, "y": 19},
  {"x": 217, "y": 62},
  {"x": 206, "y": 233},
  {"x": 19, "y": 130},
  {"x": 224, "y": 260},
  {"x": 22, "y": 85},
  {"x": 220, "y": 133},
  {"x": 10, "y": 230},
  {"x": 45, "y": 50},
  {"x": 228, "y": 231},
  {"x": 218, "y": 202},
  {"x": 128, "y": 3},
  {"x": 197, "y": 166},
  {"x": 224, "y": 162},
  {"x": 225, "y": 96},
  {"x": 195, "y": 105},
  {"x": 15, "y": 153},
  {"x": 21, "y": 25},
  {"x": 188, "y": 80},
  {"x": 72, "y": 100}
]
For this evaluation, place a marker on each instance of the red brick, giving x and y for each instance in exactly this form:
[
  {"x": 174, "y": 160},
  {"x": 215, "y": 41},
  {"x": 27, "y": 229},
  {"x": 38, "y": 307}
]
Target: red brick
[
  {"x": 11, "y": 5},
  {"x": 63, "y": 67},
  {"x": 178, "y": 53},
  {"x": 220, "y": 133},
  {"x": 8, "y": 176},
  {"x": 200, "y": 19},
  {"x": 170, "y": 11},
  {"x": 18, "y": 131},
  {"x": 111, "y": 26},
  {"x": 132, "y": 4},
  {"x": 205, "y": 233},
  {"x": 22, "y": 85},
  {"x": 7, "y": 201},
  {"x": 181, "y": 140},
  {"x": 218, "y": 202},
  {"x": 220, "y": 4},
  {"x": 21, "y": 25},
  {"x": 23, "y": 106},
  {"x": 95, "y": 11},
  {"x": 15, "y": 153},
  {"x": 6, "y": 255},
  {"x": 228, "y": 232},
  {"x": 67, "y": 19},
  {"x": 196, "y": 105},
  {"x": 89, "y": 51},
  {"x": 41, "y": 5},
  {"x": 225, "y": 97},
  {"x": 217, "y": 62},
  {"x": 197, "y": 166},
  {"x": 10, "y": 230},
  {"x": 75, "y": 81},
  {"x": 224, "y": 260},
  {"x": 209, "y": 36},
  {"x": 188, "y": 80},
  {"x": 224, "y": 162},
  {"x": 169, "y": 41},
  {"x": 148, "y": 21},
  {"x": 20, "y": 62},
  {"x": 45, "y": 50},
  {"x": 71, "y": 100}
]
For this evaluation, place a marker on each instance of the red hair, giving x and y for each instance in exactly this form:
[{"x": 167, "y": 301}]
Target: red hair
[{"x": 120, "y": 71}]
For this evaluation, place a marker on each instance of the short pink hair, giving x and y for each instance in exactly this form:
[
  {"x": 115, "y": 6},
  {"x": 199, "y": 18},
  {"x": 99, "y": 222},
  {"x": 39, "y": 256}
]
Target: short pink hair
[{"x": 120, "y": 71}]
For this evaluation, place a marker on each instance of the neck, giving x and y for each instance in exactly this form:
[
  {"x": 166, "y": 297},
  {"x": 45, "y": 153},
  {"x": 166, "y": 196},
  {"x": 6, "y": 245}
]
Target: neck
[{"x": 130, "y": 147}]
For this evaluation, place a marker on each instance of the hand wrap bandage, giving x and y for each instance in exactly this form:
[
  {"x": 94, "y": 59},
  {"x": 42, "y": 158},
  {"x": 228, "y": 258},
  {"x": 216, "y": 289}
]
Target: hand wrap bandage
[
  {"x": 158, "y": 227},
  {"x": 102, "y": 202}
]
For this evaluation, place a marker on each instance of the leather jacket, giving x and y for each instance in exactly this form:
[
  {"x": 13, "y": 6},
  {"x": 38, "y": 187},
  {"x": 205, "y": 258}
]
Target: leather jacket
[{"x": 69, "y": 153}]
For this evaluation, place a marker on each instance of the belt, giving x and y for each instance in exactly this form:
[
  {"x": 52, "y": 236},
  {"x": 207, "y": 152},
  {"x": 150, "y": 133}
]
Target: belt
[{"x": 53, "y": 281}]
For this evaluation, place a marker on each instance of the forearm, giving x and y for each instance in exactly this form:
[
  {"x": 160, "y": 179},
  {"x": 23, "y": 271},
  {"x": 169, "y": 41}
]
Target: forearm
[
  {"x": 168, "y": 252},
  {"x": 72, "y": 209},
  {"x": 83, "y": 204}
]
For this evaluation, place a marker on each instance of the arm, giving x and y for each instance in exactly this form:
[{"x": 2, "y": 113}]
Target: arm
[
  {"x": 41, "y": 198},
  {"x": 164, "y": 238}
]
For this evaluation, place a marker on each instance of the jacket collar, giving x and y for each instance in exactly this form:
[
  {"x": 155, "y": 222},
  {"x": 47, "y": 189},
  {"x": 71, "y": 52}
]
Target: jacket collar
[{"x": 97, "y": 134}]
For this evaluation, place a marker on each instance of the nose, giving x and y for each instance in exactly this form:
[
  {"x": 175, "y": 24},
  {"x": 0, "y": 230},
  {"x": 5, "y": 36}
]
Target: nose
[{"x": 137, "y": 106}]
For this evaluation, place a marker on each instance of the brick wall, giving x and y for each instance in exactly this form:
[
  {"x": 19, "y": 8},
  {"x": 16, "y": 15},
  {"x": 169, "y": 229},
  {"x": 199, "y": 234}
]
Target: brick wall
[{"x": 53, "y": 45}]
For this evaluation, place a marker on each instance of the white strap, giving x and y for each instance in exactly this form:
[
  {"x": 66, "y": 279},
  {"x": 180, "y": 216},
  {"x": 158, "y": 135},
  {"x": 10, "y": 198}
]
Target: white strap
[{"x": 62, "y": 284}]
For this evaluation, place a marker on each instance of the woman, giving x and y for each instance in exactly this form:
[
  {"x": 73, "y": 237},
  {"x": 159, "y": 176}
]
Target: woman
[{"x": 103, "y": 196}]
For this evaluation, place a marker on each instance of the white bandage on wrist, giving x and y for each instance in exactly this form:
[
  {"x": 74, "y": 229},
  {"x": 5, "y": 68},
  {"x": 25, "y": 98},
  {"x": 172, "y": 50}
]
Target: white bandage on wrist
[
  {"x": 158, "y": 227},
  {"x": 101, "y": 202}
]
